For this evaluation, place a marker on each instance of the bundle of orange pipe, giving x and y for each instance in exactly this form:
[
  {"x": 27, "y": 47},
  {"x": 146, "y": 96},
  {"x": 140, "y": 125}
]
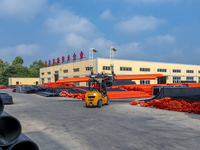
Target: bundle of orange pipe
[
  {"x": 55, "y": 84},
  {"x": 70, "y": 95},
  {"x": 5, "y": 87},
  {"x": 117, "y": 77},
  {"x": 126, "y": 94},
  {"x": 171, "y": 104}
]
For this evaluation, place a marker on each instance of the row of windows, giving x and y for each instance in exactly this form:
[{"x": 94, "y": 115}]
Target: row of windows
[
  {"x": 178, "y": 79},
  {"x": 161, "y": 70},
  {"x": 179, "y": 71},
  {"x": 189, "y": 71},
  {"x": 125, "y": 69},
  {"x": 106, "y": 67},
  {"x": 145, "y": 69}
]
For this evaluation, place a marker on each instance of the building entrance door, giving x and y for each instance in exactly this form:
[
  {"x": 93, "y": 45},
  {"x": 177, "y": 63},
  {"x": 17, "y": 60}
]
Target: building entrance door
[
  {"x": 56, "y": 77},
  {"x": 162, "y": 80}
]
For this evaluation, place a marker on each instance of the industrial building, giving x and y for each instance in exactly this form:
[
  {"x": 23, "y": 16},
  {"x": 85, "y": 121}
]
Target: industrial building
[
  {"x": 23, "y": 81},
  {"x": 172, "y": 73}
]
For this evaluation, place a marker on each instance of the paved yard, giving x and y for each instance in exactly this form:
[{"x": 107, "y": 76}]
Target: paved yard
[{"x": 62, "y": 124}]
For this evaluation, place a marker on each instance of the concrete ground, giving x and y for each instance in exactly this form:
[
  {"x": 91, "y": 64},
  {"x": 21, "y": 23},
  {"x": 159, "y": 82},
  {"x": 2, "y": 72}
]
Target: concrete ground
[{"x": 63, "y": 123}]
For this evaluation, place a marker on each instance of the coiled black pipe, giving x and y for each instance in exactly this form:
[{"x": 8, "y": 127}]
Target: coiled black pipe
[
  {"x": 1, "y": 106},
  {"x": 23, "y": 143},
  {"x": 10, "y": 129}
]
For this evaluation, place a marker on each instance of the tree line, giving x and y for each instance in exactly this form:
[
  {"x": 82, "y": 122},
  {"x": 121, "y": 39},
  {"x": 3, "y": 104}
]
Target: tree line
[{"x": 16, "y": 69}]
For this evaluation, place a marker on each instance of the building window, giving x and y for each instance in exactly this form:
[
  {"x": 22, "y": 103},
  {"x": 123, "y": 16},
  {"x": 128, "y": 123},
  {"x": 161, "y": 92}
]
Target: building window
[
  {"x": 106, "y": 67},
  {"x": 144, "y": 81},
  {"x": 199, "y": 71},
  {"x": 145, "y": 69},
  {"x": 125, "y": 69},
  {"x": 87, "y": 68},
  {"x": 48, "y": 72},
  {"x": 76, "y": 83},
  {"x": 17, "y": 82},
  {"x": 199, "y": 79},
  {"x": 42, "y": 73},
  {"x": 176, "y": 79},
  {"x": 36, "y": 82},
  {"x": 42, "y": 80},
  {"x": 176, "y": 70},
  {"x": 49, "y": 80},
  {"x": 76, "y": 70},
  {"x": 161, "y": 70},
  {"x": 56, "y": 72},
  {"x": 189, "y": 71},
  {"x": 189, "y": 78},
  {"x": 65, "y": 71}
]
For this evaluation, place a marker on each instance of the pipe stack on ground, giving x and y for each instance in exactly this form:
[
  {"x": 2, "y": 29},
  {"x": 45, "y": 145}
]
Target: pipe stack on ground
[{"x": 11, "y": 137}]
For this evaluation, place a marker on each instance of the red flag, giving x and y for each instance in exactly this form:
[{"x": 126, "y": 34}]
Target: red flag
[
  {"x": 114, "y": 49},
  {"x": 49, "y": 62},
  {"x": 45, "y": 63},
  {"x": 94, "y": 50},
  {"x": 54, "y": 62}
]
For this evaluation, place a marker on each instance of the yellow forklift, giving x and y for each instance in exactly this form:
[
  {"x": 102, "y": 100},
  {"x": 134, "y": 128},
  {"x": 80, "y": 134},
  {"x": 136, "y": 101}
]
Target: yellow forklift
[{"x": 98, "y": 96}]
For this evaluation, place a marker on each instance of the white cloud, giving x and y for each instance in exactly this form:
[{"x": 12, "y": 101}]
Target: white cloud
[
  {"x": 21, "y": 8},
  {"x": 158, "y": 40},
  {"x": 66, "y": 22},
  {"x": 106, "y": 15},
  {"x": 21, "y": 50},
  {"x": 74, "y": 41},
  {"x": 139, "y": 23},
  {"x": 77, "y": 34},
  {"x": 130, "y": 51}
]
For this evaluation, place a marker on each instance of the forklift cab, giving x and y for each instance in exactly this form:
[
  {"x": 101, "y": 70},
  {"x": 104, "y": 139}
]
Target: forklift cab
[{"x": 97, "y": 82}]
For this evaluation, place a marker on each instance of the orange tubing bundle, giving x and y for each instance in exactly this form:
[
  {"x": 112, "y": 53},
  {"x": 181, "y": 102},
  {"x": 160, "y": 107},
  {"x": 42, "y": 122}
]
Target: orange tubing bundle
[
  {"x": 126, "y": 94},
  {"x": 171, "y": 104},
  {"x": 54, "y": 84},
  {"x": 70, "y": 95},
  {"x": 78, "y": 79},
  {"x": 5, "y": 87},
  {"x": 117, "y": 77},
  {"x": 138, "y": 77}
]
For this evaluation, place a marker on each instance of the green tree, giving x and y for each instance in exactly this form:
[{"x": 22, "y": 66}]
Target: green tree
[
  {"x": 2, "y": 64},
  {"x": 18, "y": 61},
  {"x": 35, "y": 68},
  {"x": 13, "y": 71}
]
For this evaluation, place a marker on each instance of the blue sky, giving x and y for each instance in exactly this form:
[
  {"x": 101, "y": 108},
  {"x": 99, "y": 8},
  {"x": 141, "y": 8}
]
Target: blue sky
[{"x": 146, "y": 30}]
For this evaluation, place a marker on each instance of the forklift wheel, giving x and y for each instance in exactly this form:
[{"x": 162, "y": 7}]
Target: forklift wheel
[
  {"x": 108, "y": 101},
  {"x": 99, "y": 103},
  {"x": 86, "y": 105}
]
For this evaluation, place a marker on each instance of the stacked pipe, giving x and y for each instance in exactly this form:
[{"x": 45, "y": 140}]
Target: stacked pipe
[
  {"x": 5, "y": 87},
  {"x": 171, "y": 104},
  {"x": 11, "y": 137},
  {"x": 73, "y": 95},
  {"x": 55, "y": 84}
]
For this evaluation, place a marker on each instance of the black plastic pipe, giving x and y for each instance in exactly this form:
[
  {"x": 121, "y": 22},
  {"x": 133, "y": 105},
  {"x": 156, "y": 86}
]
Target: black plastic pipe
[
  {"x": 1, "y": 106},
  {"x": 10, "y": 129},
  {"x": 23, "y": 143}
]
